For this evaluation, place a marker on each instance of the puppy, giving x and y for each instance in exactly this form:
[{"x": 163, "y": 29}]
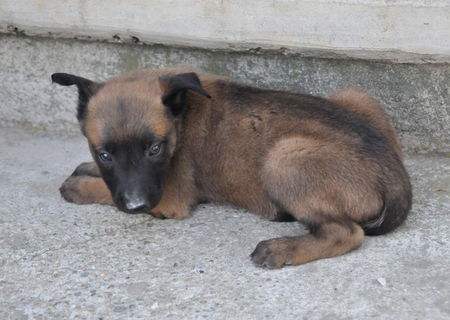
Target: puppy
[{"x": 165, "y": 140}]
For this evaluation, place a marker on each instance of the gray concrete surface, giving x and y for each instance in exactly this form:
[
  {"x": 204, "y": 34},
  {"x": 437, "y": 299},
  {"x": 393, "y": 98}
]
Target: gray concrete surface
[
  {"x": 416, "y": 96},
  {"x": 64, "y": 261},
  {"x": 414, "y": 31}
]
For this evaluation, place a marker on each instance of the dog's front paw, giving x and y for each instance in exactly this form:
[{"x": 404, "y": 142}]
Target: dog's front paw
[
  {"x": 157, "y": 215},
  {"x": 71, "y": 190},
  {"x": 87, "y": 169},
  {"x": 85, "y": 190},
  {"x": 162, "y": 211}
]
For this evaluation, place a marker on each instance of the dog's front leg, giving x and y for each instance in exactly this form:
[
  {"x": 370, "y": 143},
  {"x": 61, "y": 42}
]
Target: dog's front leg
[
  {"x": 87, "y": 169},
  {"x": 86, "y": 186},
  {"x": 179, "y": 194},
  {"x": 86, "y": 189}
]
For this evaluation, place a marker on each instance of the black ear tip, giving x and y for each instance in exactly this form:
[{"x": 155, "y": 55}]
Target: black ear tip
[
  {"x": 54, "y": 77},
  {"x": 63, "y": 79},
  {"x": 192, "y": 76}
]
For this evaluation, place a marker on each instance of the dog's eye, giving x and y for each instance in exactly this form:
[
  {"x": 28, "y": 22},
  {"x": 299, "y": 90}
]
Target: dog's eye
[
  {"x": 154, "y": 149},
  {"x": 105, "y": 156}
]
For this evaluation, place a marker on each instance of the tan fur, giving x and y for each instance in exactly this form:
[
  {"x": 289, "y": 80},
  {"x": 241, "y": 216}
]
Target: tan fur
[
  {"x": 178, "y": 197},
  {"x": 361, "y": 103},
  {"x": 257, "y": 156},
  {"x": 336, "y": 240},
  {"x": 295, "y": 169},
  {"x": 87, "y": 169},
  {"x": 86, "y": 190},
  {"x": 138, "y": 91}
]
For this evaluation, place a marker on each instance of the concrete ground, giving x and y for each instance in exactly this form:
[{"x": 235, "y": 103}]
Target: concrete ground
[{"x": 64, "y": 261}]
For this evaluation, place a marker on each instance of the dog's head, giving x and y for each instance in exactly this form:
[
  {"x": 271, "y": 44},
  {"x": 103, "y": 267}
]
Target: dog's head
[{"x": 131, "y": 126}]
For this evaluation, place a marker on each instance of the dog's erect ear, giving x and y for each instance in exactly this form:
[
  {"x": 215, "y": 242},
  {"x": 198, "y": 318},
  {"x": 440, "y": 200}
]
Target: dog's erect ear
[
  {"x": 86, "y": 89},
  {"x": 175, "y": 88}
]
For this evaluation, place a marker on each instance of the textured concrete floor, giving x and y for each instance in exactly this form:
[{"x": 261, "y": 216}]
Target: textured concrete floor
[{"x": 60, "y": 260}]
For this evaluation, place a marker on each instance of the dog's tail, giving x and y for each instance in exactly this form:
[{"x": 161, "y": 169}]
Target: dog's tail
[
  {"x": 397, "y": 201},
  {"x": 393, "y": 214},
  {"x": 395, "y": 185}
]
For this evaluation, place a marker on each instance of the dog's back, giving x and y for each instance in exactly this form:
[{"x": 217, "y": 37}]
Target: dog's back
[
  {"x": 359, "y": 102},
  {"x": 322, "y": 161}
]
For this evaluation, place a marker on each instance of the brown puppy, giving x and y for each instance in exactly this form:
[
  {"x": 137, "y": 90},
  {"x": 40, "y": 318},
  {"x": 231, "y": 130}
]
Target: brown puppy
[{"x": 165, "y": 140}]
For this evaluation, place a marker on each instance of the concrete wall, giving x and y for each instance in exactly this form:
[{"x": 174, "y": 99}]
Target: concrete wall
[
  {"x": 303, "y": 46},
  {"x": 416, "y": 96},
  {"x": 395, "y": 30}
]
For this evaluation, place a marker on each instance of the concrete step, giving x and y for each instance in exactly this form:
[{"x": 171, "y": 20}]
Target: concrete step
[
  {"x": 59, "y": 260},
  {"x": 417, "y": 96}
]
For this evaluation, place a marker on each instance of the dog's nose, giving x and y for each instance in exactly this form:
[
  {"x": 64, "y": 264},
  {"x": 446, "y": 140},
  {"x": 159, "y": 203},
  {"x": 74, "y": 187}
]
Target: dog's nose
[{"x": 134, "y": 203}]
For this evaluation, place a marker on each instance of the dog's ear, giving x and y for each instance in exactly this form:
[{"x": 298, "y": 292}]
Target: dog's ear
[
  {"x": 175, "y": 87},
  {"x": 86, "y": 89}
]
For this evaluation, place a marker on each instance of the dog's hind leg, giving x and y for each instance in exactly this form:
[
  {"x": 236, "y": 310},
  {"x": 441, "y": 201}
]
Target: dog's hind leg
[
  {"x": 323, "y": 188},
  {"x": 325, "y": 240}
]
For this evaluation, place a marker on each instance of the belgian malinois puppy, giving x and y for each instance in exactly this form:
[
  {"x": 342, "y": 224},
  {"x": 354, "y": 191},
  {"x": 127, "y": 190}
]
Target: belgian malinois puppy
[{"x": 165, "y": 140}]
